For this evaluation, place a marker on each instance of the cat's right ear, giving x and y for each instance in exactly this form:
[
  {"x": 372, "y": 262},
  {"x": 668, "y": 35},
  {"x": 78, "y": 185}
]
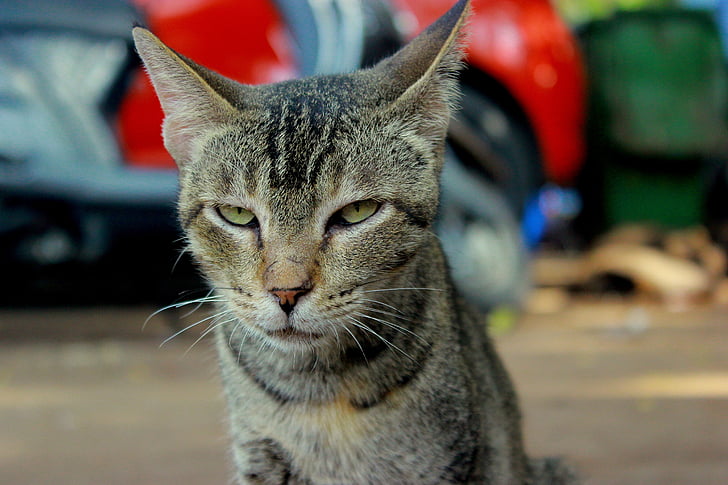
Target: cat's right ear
[
  {"x": 420, "y": 80},
  {"x": 191, "y": 105}
]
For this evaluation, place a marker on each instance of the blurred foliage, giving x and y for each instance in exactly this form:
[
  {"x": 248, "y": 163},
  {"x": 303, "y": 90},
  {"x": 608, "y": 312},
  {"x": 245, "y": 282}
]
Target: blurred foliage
[{"x": 580, "y": 11}]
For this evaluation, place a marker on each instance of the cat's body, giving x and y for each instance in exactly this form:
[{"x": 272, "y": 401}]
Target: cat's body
[
  {"x": 376, "y": 417},
  {"x": 345, "y": 355}
]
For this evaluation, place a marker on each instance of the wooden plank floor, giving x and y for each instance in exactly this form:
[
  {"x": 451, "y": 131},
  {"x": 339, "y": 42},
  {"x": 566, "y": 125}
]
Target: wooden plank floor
[{"x": 630, "y": 392}]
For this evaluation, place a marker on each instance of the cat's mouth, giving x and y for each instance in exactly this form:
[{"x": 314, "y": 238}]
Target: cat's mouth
[{"x": 289, "y": 333}]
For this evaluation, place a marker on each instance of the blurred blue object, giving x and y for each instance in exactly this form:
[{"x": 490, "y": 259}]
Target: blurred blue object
[
  {"x": 553, "y": 206},
  {"x": 722, "y": 18}
]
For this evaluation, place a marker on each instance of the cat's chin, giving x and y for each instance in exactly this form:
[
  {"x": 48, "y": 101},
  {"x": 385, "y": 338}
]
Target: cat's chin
[{"x": 290, "y": 334}]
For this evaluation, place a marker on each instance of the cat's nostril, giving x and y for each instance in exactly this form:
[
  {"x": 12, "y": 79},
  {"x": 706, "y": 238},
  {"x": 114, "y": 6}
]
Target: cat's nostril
[{"x": 288, "y": 298}]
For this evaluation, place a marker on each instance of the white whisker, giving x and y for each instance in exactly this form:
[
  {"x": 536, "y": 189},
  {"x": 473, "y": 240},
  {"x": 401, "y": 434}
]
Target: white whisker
[
  {"x": 399, "y": 328},
  {"x": 366, "y": 328},
  {"x": 402, "y": 289},
  {"x": 179, "y": 258},
  {"x": 383, "y": 304},
  {"x": 206, "y": 299},
  {"x": 199, "y": 301},
  {"x": 363, "y": 354},
  {"x": 213, "y": 325},
  {"x": 235, "y": 329},
  {"x": 336, "y": 336},
  {"x": 384, "y": 312},
  {"x": 180, "y": 332},
  {"x": 242, "y": 343}
]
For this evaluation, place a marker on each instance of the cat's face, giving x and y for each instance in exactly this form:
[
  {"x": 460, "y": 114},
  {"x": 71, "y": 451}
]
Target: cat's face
[
  {"x": 302, "y": 200},
  {"x": 296, "y": 210}
]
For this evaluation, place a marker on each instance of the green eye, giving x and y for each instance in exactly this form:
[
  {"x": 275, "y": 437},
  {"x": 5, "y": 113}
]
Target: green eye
[
  {"x": 358, "y": 211},
  {"x": 236, "y": 215}
]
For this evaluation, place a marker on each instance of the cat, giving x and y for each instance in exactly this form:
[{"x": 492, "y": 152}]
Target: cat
[{"x": 346, "y": 356}]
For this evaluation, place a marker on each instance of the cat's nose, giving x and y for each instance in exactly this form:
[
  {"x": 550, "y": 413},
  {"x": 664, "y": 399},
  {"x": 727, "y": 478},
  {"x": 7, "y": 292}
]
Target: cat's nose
[{"x": 287, "y": 298}]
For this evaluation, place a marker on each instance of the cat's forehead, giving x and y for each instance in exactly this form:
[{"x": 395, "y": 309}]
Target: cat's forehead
[
  {"x": 330, "y": 95},
  {"x": 285, "y": 155},
  {"x": 298, "y": 134},
  {"x": 299, "y": 129}
]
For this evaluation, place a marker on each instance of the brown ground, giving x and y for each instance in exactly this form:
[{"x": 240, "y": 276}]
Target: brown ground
[{"x": 631, "y": 393}]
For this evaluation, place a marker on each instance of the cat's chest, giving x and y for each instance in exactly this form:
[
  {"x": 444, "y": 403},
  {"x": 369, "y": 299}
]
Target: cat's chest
[
  {"x": 326, "y": 438},
  {"x": 339, "y": 442},
  {"x": 327, "y": 441},
  {"x": 335, "y": 425}
]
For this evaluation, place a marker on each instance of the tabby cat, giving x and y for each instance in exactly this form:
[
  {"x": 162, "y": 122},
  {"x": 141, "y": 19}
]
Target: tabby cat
[{"x": 346, "y": 357}]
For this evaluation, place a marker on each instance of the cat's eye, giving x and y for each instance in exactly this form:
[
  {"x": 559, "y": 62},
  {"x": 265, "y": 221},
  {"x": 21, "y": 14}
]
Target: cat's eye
[
  {"x": 357, "y": 212},
  {"x": 237, "y": 216}
]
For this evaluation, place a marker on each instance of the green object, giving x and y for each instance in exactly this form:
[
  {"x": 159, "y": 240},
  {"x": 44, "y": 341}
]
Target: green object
[
  {"x": 658, "y": 83},
  {"x": 502, "y": 320},
  {"x": 580, "y": 11},
  {"x": 658, "y": 109},
  {"x": 669, "y": 199}
]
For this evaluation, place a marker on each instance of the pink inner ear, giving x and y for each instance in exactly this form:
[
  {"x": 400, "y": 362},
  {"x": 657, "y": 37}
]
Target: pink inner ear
[
  {"x": 179, "y": 135},
  {"x": 191, "y": 108},
  {"x": 190, "y": 104}
]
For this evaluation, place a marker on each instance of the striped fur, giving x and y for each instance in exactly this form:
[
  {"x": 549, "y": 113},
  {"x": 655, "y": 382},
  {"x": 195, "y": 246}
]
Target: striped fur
[{"x": 377, "y": 375}]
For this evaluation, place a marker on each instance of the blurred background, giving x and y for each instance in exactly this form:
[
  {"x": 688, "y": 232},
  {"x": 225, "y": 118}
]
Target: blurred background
[{"x": 584, "y": 211}]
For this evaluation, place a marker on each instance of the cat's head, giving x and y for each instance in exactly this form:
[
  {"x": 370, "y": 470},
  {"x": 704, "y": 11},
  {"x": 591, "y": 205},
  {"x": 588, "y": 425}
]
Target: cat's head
[{"x": 299, "y": 197}]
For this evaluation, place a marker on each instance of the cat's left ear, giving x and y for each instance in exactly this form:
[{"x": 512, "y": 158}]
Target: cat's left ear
[
  {"x": 190, "y": 96},
  {"x": 421, "y": 78}
]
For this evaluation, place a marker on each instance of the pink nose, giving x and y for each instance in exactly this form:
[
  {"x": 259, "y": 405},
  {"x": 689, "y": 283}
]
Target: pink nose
[{"x": 287, "y": 298}]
